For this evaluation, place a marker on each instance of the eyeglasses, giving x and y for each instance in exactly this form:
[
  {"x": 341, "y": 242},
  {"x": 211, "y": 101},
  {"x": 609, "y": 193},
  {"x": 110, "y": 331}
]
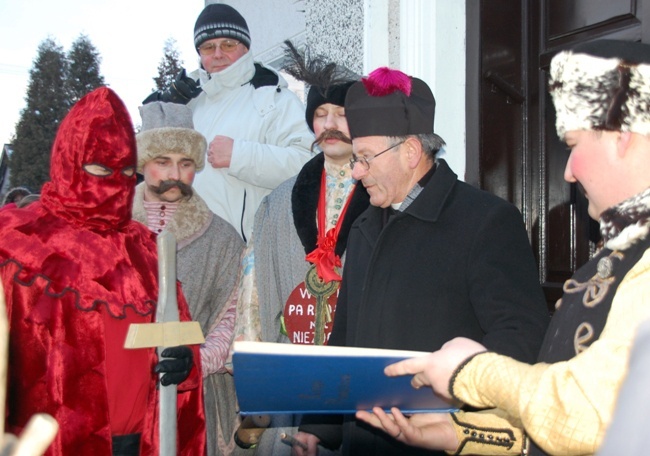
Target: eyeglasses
[
  {"x": 365, "y": 162},
  {"x": 225, "y": 46}
]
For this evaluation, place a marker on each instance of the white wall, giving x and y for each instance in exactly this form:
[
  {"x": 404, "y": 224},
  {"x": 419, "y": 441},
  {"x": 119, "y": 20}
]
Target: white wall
[
  {"x": 423, "y": 38},
  {"x": 431, "y": 35},
  {"x": 270, "y": 22}
]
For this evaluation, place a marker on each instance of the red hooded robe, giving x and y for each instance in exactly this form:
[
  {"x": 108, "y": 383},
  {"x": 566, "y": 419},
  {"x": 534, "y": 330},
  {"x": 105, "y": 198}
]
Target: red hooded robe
[{"x": 73, "y": 266}]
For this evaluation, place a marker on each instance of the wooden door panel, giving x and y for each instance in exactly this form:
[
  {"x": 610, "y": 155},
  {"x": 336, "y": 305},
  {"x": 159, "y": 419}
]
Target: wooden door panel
[
  {"x": 513, "y": 149},
  {"x": 569, "y": 235},
  {"x": 571, "y": 17},
  {"x": 499, "y": 102}
]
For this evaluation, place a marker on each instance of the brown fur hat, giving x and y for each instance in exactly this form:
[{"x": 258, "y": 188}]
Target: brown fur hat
[{"x": 168, "y": 128}]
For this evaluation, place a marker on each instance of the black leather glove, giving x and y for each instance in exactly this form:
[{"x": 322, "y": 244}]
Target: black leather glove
[
  {"x": 177, "y": 367},
  {"x": 181, "y": 91}
]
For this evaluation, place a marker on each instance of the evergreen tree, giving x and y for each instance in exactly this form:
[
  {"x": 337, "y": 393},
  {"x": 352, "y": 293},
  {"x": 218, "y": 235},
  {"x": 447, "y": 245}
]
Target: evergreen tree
[
  {"x": 47, "y": 104},
  {"x": 83, "y": 76},
  {"x": 170, "y": 65}
]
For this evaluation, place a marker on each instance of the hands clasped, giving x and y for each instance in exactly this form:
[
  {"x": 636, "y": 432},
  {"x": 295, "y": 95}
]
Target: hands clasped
[{"x": 311, "y": 441}]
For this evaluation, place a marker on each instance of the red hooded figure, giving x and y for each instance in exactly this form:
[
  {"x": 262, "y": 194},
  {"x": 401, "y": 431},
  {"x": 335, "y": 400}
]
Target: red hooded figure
[{"x": 77, "y": 271}]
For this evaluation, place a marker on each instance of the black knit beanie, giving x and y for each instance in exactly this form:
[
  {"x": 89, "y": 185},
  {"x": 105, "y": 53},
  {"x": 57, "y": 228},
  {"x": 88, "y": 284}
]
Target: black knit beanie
[{"x": 219, "y": 20}]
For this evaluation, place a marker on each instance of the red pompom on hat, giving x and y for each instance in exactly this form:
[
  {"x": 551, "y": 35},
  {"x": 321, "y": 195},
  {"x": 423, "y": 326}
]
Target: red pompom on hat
[
  {"x": 389, "y": 103},
  {"x": 384, "y": 81}
]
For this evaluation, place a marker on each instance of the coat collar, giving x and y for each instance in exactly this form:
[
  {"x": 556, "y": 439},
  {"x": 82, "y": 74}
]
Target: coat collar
[
  {"x": 236, "y": 75},
  {"x": 626, "y": 223},
  {"x": 429, "y": 203},
  {"x": 190, "y": 220},
  {"x": 304, "y": 204}
]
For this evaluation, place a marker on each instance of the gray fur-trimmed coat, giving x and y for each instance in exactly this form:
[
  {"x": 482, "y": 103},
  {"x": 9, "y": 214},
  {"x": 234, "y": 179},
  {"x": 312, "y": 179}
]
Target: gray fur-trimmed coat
[
  {"x": 208, "y": 260},
  {"x": 284, "y": 232}
]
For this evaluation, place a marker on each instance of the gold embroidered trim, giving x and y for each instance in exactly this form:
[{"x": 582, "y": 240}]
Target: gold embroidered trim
[
  {"x": 471, "y": 435},
  {"x": 597, "y": 287}
]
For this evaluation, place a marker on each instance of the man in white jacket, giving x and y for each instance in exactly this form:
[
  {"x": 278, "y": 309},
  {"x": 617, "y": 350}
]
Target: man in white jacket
[{"x": 254, "y": 125}]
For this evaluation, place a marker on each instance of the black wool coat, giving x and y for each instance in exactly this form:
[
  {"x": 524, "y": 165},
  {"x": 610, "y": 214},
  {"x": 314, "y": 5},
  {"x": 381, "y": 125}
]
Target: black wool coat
[{"x": 456, "y": 262}]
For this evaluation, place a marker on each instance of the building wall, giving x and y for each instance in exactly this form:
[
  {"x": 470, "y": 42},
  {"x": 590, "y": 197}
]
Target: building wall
[
  {"x": 423, "y": 38},
  {"x": 270, "y": 22},
  {"x": 335, "y": 29}
]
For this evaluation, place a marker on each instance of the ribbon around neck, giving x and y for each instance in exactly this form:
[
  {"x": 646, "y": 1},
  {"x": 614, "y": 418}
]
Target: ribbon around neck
[{"x": 323, "y": 256}]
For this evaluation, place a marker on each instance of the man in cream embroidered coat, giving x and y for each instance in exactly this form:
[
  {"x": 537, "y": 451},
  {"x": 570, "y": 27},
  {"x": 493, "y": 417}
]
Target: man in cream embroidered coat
[
  {"x": 564, "y": 403},
  {"x": 209, "y": 250}
]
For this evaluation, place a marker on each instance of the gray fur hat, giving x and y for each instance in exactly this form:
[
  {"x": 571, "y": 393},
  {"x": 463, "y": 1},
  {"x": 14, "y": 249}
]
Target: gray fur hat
[
  {"x": 168, "y": 128},
  {"x": 602, "y": 85}
]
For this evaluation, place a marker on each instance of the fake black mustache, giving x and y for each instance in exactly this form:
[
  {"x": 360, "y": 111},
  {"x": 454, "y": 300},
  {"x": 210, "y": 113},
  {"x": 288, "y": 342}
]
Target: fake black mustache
[
  {"x": 186, "y": 190},
  {"x": 331, "y": 134}
]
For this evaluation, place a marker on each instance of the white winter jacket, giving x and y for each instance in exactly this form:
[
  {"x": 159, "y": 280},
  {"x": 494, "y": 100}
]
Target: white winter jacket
[{"x": 271, "y": 140}]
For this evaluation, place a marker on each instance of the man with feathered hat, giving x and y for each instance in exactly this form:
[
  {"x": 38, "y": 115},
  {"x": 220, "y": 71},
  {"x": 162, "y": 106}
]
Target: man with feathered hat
[
  {"x": 564, "y": 403},
  {"x": 170, "y": 152},
  {"x": 431, "y": 258},
  {"x": 301, "y": 229},
  {"x": 77, "y": 271}
]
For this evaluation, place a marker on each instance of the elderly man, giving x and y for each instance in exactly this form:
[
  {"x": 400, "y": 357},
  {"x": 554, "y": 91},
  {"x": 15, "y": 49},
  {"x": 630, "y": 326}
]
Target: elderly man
[
  {"x": 77, "y": 271},
  {"x": 564, "y": 403},
  {"x": 302, "y": 228},
  {"x": 170, "y": 152},
  {"x": 254, "y": 124},
  {"x": 431, "y": 258}
]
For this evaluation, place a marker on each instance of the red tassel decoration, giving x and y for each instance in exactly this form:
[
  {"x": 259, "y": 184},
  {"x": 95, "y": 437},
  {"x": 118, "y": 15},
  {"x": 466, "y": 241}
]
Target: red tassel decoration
[{"x": 384, "y": 81}]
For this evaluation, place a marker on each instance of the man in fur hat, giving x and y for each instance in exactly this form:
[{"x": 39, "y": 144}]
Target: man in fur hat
[
  {"x": 253, "y": 123},
  {"x": 564, "y": 403},
  {"x": 301, "y": 229},
  {"x": 77, "y": 271},
  {"x": 170, "y": 152},
  {"x": 431, "y": 258}
]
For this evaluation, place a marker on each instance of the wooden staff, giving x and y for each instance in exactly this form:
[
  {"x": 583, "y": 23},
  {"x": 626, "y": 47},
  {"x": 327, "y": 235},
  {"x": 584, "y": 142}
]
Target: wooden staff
[{"x": 167, "y": 331}]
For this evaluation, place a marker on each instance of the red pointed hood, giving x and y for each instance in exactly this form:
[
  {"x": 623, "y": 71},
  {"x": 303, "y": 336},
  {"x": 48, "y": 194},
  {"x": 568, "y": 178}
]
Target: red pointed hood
[{"x": 96, "y": 131}]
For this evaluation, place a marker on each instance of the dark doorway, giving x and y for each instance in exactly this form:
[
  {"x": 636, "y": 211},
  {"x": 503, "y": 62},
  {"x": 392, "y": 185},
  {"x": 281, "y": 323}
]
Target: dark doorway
[{"x": 512, "y": 147}]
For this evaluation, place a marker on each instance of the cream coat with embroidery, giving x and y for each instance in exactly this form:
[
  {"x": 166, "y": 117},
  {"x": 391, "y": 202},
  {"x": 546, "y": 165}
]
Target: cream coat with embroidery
[{"x": 565, "y": 407}]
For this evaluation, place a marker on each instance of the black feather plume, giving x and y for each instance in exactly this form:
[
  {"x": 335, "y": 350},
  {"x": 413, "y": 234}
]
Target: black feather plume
[{"x": 315, "y": 71}]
